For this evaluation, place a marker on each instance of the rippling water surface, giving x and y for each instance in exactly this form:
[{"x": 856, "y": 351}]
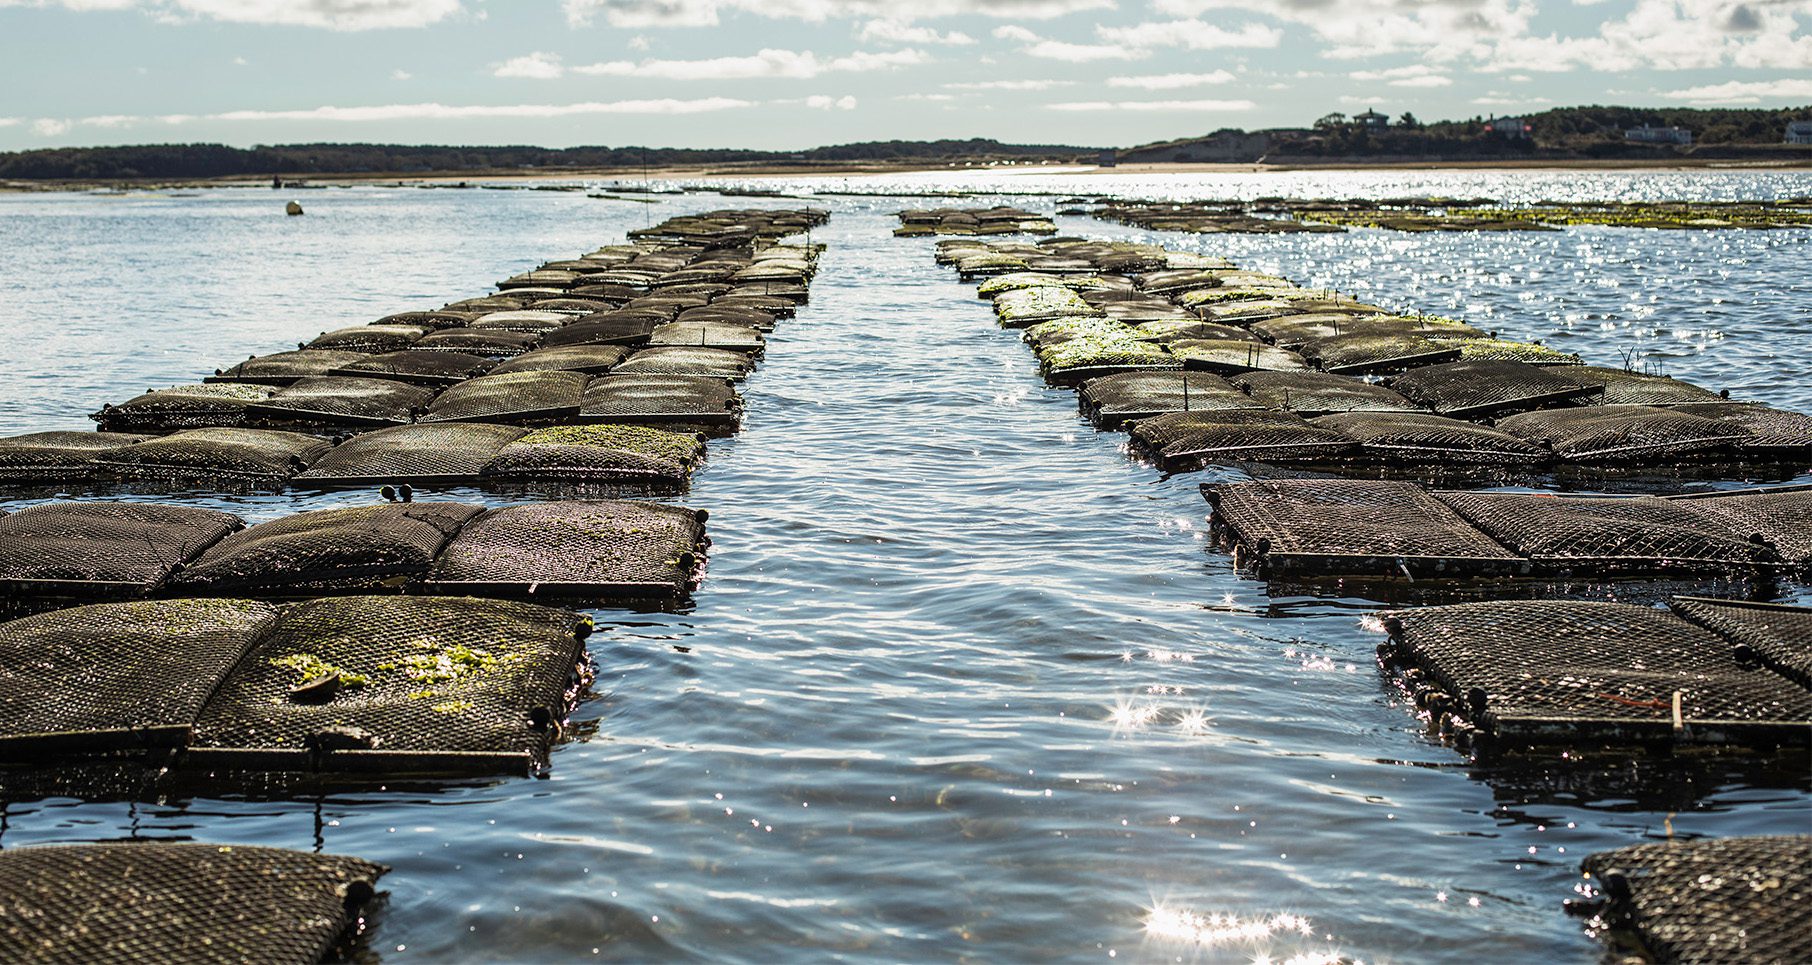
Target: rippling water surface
[{"x": 962, "y": 681}]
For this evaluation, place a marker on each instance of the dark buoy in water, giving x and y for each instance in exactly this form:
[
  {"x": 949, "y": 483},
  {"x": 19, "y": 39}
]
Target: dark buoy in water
[{"x": 292, "y": 208}]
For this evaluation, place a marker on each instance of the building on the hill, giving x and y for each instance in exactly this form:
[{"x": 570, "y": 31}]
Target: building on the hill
[
  {"x": 1509, "y": 128},
  {"x": 1658, "y": 135},
  {"x": 1372, "y": 120},
  {"x": 1799, "y": 132}
]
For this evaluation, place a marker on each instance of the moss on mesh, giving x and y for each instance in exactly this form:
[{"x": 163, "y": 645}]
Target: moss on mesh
[
  {"x": 1043, "y": 302},
  {"x": 310, "y": 668},
  {"x": 1506, "y": 350},
  {"x": 674, "y": 447}
]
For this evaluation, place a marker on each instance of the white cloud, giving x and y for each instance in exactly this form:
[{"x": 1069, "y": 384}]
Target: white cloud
[
  {"x": 1747, "y": 92},
  {"x": 1170, "y": 106},
  {"x": 822, "y": 102},
  {"x": 240, "y": 61},
  {"x": 11, "y": 121},
  {"x": 1495, "y": 35},
  {"x": 535, "y": 66},
  {"x": 400, "y": 74},
  {"x": 1033, "y": 45},
  {"x": 56, "y": 127},
  {"x": 932, "y": 98},
  {"x": 639, "y": 42},
  {"x": 1412, "y": 75},
  {"x": 797, "y": 65},
  {"x": 706, "y": 13},
  {"x": 899, "y": 32},
  {"x": 1009, "y": 85},
  {"x": 1191, "y": 35},
  {"x": 1172, "y": 81},
  {"x": 325, "y": 14}
]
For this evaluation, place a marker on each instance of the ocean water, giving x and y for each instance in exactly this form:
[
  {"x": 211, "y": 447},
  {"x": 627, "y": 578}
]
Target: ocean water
[{"x": 963, "y": 680}]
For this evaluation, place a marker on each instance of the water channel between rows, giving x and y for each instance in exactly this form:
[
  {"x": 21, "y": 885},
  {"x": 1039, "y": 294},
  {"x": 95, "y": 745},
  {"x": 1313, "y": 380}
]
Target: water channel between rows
[{"x": 962, "y": 680}]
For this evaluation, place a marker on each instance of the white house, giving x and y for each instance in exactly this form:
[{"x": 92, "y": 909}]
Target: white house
[
  {"x": 1511, "y": 128},
  {"x": 1799, "y": 132},
  {"x": 1658, "y": 135}
]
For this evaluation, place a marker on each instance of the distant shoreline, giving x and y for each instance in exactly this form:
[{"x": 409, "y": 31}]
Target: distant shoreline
[{"x": 769, "y": 170}]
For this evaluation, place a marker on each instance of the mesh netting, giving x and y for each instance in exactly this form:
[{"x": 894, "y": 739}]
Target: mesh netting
[
  {"x": 679, "y": 360},
  {"x": 614, "y": 328},
  {"x": 590, "y": 359},
  {"x": 728, "y": 315},
  {"x": 58, "y": 456},
  {"x": 116, "y": 676},
  {"x": 527, "y": 320},
  {"x": 416, "y": 366},
  {"x": 500, "y": 302},
  {"x": 370, "y": 339},
  {"x": 1167, "y": 330},
  {"x": 601, "y": 454},
  {"x": 1778, "y": 636},
  {"x": 1350, "y": 525},
  {"x": 1180, "y": 441},
  {"x": 541, "y": 278},
  {"x": 398, "y": 676},
  {"x": 239, "y": 454},
  {"x": 1230, "y": 356},
  {"x": 662, "y": 399},
  {"x": 183, "y": 407},
  {"x": 335, "y": 401},
  {"x": 348, "y": 550},
  {"x": 1476, "y": 389},
  {"x": 103, "y": 547},
  {"x": 178, "y": 902},
  {"x": 768, "y": 305},
  {"x": 1320, "y": 393},
  {"x": 1714, "y": 900},
  {"x": 539, "y": 396},
  {"x": 439, "y": 319},
  {"x": 1497, "y": 349},
  {"x": 719, "y": 335},
  {"x": 1781, "y": 518},
  {"x": 597, "y": 549},
  {"x": 1366, "y": 353},
  {"x": 1292, "y": 331},
  {"x": 1622, "y": 387},
  {"x": 495, "y": 343},
  {"x": 1422, "y": 437},
  {"x": 1113, "y": 400},
  {"x": 1545, "y": 670},
  {"x": 443, "y": 454},
  {"x": 283, "y": 368},
  {"x": 1609, "y": 433},
  {"x": 1175, "y": 281},
  {"x": 1641, "y": 533},
  {"x": 1763, "y": 431}
]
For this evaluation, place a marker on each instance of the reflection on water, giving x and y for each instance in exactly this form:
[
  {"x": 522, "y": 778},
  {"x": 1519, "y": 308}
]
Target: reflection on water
[{"x": 963, "y": 680}]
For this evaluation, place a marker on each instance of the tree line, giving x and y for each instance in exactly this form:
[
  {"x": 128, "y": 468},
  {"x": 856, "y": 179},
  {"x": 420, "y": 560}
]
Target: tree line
[{"x": 287, "y": 160}]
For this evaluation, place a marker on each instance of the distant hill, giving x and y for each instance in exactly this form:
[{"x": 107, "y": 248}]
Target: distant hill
[
  {"x": 1557, "y": 134},
  {"x": 219, "y": 160}
]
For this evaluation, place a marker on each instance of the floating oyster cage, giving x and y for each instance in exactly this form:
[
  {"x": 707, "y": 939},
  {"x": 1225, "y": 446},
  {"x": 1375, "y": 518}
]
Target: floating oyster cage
[
  {"x": 182, "y": 902},
  {"x": 598, "y": 551},
  {"x": 1710, "y": 900},
  {"x": 355, "y": 685},
  {"x": 629, "y": 456},
  {"x": 1510, "y": 676},
  {"x": 1308, "y": 529}
]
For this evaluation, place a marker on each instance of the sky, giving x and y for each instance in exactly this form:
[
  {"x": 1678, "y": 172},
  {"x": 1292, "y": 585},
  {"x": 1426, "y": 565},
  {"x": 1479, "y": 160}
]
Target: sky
[{"x": 779, "y": 74}]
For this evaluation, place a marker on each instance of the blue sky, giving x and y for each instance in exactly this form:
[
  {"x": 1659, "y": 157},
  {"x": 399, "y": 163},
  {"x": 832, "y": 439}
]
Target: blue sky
[{"x": 800, "y": 73}]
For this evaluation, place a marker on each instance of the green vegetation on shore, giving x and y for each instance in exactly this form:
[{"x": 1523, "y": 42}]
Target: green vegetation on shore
[
  {"x": 1560, "y": 134},
  {"x": 299, "y": 160}
]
